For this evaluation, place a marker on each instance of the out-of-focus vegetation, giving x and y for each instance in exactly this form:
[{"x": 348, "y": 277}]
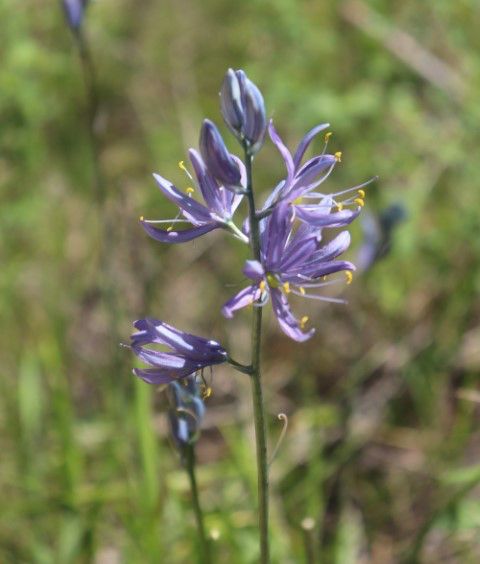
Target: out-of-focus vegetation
[{"x": 382, "y": 449}]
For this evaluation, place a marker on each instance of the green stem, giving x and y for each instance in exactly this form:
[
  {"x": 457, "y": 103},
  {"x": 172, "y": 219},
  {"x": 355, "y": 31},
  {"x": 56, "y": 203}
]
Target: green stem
[
  {"x": 190, "y": 467},
  {"x": 255, "y": 378}
]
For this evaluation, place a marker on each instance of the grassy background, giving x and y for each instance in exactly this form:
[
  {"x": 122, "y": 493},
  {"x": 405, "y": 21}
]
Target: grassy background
[{"x": 382, "y": 445}]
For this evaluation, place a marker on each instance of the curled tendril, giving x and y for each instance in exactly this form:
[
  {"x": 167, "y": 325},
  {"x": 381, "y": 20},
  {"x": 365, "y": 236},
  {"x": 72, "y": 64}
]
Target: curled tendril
[{"x": 282, "y": 417}]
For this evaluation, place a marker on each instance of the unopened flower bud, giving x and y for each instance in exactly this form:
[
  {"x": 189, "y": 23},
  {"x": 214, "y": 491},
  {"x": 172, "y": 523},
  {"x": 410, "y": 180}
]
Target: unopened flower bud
[
  {"x": 219, "y": 161},
  {"x": 186, "y": 411},
  {"x": 74, "y": 12},
  {"x": 243, "y": 109}
]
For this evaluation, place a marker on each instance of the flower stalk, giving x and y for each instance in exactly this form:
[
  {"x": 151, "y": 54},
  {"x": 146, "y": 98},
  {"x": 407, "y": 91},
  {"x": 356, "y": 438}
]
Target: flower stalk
[
  {"x": 255, "y": 378},
  {"x": 197, "y": 509}
]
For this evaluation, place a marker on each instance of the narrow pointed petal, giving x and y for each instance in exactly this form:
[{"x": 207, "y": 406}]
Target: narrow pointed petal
[
  {"x": 216, "y": 156},
  {"x": 195, "y": 210},
  {"x": 184, "y": 236},
  {"x": 208, "y": 185},
  {"x": 334, "y": 248},
  {"x": 319, "y": 268},
  {"x": 305, "y": 143},
  {"x": 244, "y": 298},
  {"x": 287, "y": 157},
  {"x": 275, "y": 237},
  {"x": 160, "y": 375},
  {"x": 289, "y": 325},
  {"x": 318, "y": 217}
]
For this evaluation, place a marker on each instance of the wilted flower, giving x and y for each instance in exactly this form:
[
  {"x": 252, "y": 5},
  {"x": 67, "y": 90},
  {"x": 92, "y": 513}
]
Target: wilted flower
[
  {"x": 74, "y": 12},
  {"x": 299, "y": 187},
  {"x": 220, "y": 205},
  {"x": 220, "y": 163},
  {"x": 292, "y": 261},
  {"x": 243, "y": 109},
  {"x": 186, "y": 410},
  {"x": 188, "y": 354}
]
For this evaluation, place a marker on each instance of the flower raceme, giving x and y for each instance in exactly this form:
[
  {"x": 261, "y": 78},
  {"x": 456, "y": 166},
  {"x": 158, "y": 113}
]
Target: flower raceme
[
  {"x": 188, "y": 353},
  {"x": 292, "y": 261}
]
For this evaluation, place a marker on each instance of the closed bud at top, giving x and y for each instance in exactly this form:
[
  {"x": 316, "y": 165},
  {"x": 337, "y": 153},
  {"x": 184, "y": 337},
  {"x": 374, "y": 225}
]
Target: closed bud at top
[
  {"x": 243, "y": 109},
  {"x": 74, "y": 12},
  {"x": 220, "y": 163}
]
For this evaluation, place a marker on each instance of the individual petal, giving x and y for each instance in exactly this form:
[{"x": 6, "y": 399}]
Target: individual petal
[
  {"x": 160, "y": 375},
  {"x": 308, "y": 175},
  {"x": 194, "y": 209},
  {"x": 317, "y": 216},
  {"x": 215, "y": 196},
  {"x": 245, "y": 297},
  {"x": 255, "y": 120},
  {"x": 231, "y": 102},
  {"x": 216, "y": 156},
  {"x": 287, "y": 157},
  {"x": 158, "y": 358},
  {"x": 254, "y": 270},
  {"x": 275, "y": 237},
  {"x": 305, "y": 142},
  {"x": 334, "y": 248},
  {"x": 289, "y": 325},
  {"x": 319, "y": 268},
  {"x": 299, "y": 251},
  {"x": 172, "y": 236}
]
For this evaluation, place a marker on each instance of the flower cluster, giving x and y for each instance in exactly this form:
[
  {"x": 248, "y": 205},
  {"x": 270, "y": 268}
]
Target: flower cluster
[{"x": 294, "y": 251}]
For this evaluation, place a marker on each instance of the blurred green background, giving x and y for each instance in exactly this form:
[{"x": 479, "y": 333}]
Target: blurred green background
[{"x": 383, "y": 442}]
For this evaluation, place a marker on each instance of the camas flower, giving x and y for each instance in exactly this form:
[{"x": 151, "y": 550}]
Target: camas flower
[
  {"x": 188, "y": 353},
  {"x": 299, "y": 188},
  {"x": 243, "y": 109},
  {"x": 186, "y": 411},
  {"x": 217, "y": 213},
  {"x": 74, "y": 12},
  {"x": 292, "y": 261}
]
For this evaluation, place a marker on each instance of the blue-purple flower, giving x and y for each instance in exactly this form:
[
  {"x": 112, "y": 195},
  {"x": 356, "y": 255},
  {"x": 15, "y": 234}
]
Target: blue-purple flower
[
  {"x": 299, "y": 188},
  {"x": 243, "y": 109},
  {"x": 188, "y": 353},
  {"x": 220, "y": 205},
  {"x": 293, "y": 261},
  {"x": 186, "y": 411},
  {"x": 74, "y": 12}
]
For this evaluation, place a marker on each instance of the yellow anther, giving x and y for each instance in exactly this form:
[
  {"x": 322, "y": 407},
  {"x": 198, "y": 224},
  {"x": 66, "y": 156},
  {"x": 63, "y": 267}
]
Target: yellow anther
[
  {"x": 189, "y": 190},
  {"x": 339, "y": 206},
  {"x": 348, "y": 276},
  {"x": 302, "y": 290},
  {"x": 361, "y": 193},
  {"x": 286, "y": 287},
  {"x": 324, "y": 278},
  {"x": 262, "y": 285},
  {"x": 338, "y": 156},
  {"x": 328, "y": 135},
  {"x": 304, "y": 321},
  {"x": 359, "y": 201},
  {"x": 141, "y": 218},
  {"x": 297, "y": 202},
  {"x": 206, "y": 392},
  {"x": 272, "y": 281},
  {"x": 169, "y": 228},
  {"x": 181, "y": 165}
]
